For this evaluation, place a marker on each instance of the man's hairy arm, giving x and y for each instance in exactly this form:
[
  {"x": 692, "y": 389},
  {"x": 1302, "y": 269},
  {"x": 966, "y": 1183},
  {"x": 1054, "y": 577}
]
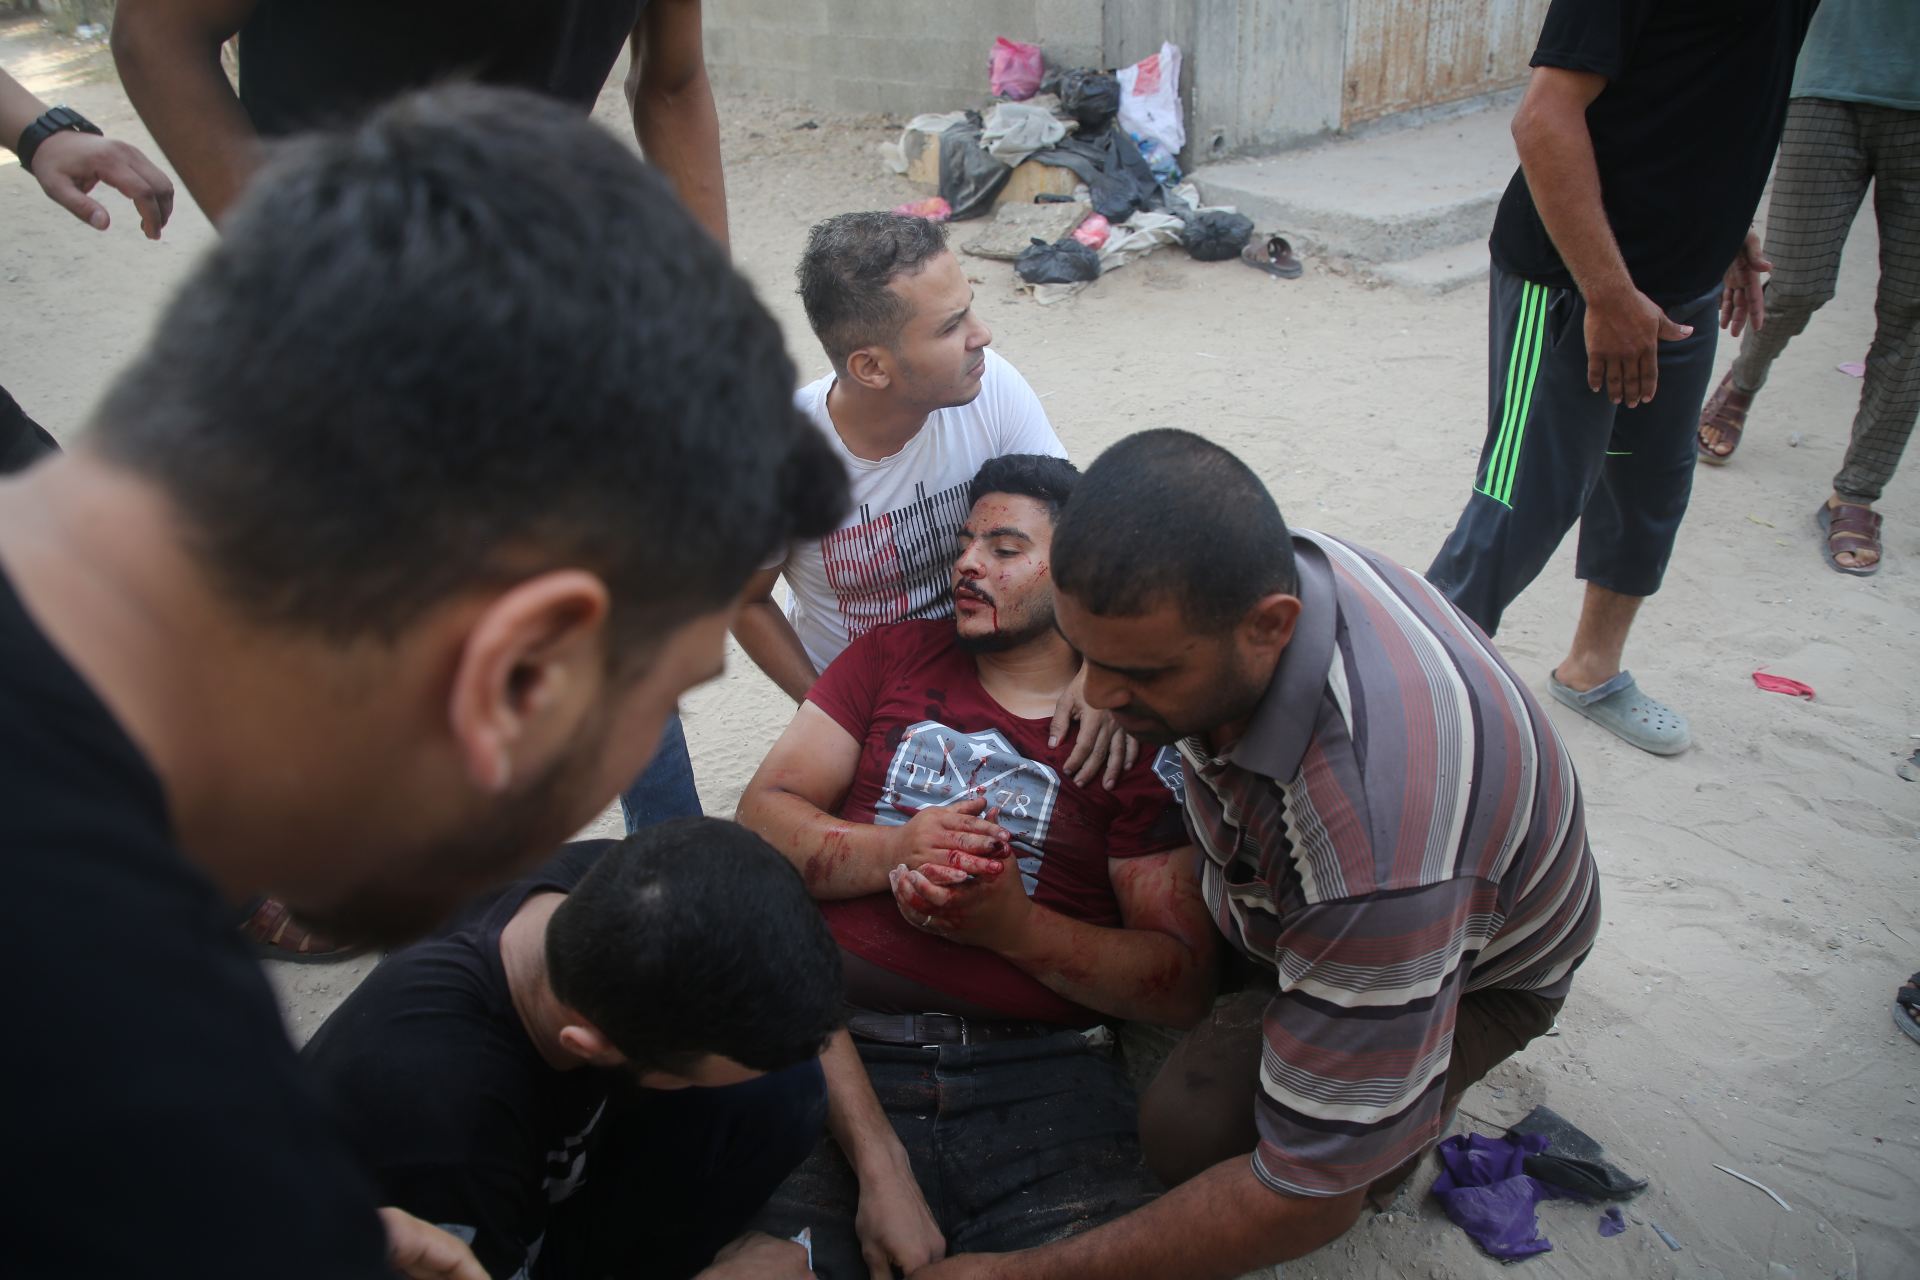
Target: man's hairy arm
[
  {"x": 770, "y": 640},
  {"x": 673, "y": 112},
  {"x": 1221, "y": 1224},
  {"x": 789, "y": 804},
  {"x": 1624, "y": 327},
  {"x": 168, "y": 53}
]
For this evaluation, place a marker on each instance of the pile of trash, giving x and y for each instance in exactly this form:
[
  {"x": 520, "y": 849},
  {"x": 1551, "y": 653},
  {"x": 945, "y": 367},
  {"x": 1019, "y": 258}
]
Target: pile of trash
[{"x": 1077, "y": 165}]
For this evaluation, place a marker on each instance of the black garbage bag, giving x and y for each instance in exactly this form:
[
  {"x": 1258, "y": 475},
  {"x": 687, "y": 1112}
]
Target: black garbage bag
[
  {"x": 1065, "y": 261},
  {"x": 1091, "y": 97},
  {"x": 1215, "y": 236},
  {"x": 970, "y": 175},
  {"x": 1117, "y": 178}
]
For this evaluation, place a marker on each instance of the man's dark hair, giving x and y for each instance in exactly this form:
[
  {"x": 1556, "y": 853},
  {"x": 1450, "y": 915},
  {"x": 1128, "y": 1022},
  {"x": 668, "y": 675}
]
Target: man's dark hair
[
  {"x": 1042, "y": 477},
  {"x": 1165, "y": 515},
  {"x": 695, "y": 937},
  {"x": 467, "y": 341},
  {"x": 844, "y": 273}
]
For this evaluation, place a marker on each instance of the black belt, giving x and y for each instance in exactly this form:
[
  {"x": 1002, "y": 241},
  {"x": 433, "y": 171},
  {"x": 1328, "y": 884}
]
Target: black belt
[{"x": 933, "y": 1030}]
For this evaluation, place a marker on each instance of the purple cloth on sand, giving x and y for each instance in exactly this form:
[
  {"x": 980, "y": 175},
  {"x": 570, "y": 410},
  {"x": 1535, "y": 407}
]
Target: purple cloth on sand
[
  {"x": 1484, "y": 1189},
  {"x": 1611, "y": 1223}
]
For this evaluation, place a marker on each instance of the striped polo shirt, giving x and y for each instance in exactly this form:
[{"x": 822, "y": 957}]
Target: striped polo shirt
[{"x": 1399, "y": 825}]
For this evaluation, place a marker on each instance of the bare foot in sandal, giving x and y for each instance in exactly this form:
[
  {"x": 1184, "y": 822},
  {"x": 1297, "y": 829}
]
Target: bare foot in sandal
[
  {"x": 1853, "y": 536},
  {"x": 1722, "y": 418}
]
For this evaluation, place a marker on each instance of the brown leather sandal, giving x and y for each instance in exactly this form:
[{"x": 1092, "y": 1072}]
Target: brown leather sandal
[
  {"x": 1851, "y": 528},
  {"x": 276, "y": 935},
  {"x": 1726, "y": 412}
]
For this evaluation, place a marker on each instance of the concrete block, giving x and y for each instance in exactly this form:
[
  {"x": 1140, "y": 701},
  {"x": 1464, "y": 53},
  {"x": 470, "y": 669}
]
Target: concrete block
[
  {"x": 1440, "y": 270},
  {"x": 1384, "y": 198}
]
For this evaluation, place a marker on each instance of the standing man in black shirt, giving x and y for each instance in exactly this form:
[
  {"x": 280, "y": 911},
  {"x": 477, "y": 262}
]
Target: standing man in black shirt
[
  {"x": 599, "y": 1073},
  {"x": 307, "y": 64},
  {"x": 1645, "y": 138},
  {"x": 352, "y": 593}
]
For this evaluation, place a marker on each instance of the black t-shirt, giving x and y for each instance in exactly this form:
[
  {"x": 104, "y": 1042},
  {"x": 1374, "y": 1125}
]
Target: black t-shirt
[
  {"x": 1683, "y": 134},
  {"x": 442, "y": 1095},
  {"x": 317, "y": 63},
  {"x": 157, "y": 1121}
]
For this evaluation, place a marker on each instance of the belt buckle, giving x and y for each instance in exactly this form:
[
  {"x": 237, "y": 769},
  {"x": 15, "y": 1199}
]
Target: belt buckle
[{"x": 964, "y": 1038}]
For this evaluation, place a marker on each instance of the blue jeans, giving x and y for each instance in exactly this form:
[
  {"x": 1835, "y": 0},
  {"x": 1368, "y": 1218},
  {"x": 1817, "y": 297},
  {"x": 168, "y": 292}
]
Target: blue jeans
[
  {"x": 673, "y": 1175},
  {"x": 665, "y": 790}
]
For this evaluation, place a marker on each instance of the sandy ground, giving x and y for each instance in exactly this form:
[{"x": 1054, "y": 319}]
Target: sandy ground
[{"x": 1763, "y": 890}]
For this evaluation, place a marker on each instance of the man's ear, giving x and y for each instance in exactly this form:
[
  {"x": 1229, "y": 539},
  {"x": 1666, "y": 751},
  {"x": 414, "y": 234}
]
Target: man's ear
[
  {"x": 586, "y": 1042},
  {"x": 870, "y": 368},
  {"x": 1269, "y": 624},
  {"x": 530, "y": 664}
]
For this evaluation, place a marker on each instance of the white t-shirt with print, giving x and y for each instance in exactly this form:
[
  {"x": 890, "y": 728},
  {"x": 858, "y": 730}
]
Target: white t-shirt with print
[{"x": 891, "y": 559}]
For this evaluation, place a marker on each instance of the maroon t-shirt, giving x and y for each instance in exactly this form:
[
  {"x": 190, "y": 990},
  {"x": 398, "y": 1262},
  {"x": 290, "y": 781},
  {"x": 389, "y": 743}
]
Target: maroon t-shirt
[{"x": 930, "y": 734}]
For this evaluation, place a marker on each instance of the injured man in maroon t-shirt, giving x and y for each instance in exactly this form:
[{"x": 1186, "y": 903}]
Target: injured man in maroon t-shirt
[{"x": 993, "y": 917}]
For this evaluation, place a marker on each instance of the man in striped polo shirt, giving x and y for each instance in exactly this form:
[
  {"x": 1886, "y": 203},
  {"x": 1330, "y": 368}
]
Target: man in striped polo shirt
[{"x": 1393, "y": 845}]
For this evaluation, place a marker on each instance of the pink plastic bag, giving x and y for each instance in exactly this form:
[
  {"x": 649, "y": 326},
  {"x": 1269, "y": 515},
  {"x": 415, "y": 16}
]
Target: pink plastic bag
[
  {"x": 1015, "y": 69},
  {"x": 1783, "y": 684},
  {"x": 1093, "y": 232}
]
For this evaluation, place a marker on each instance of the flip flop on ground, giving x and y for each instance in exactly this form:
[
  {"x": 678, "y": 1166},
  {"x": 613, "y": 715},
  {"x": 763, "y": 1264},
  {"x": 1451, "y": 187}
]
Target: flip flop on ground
[
  {"x": 1722, "y": 418},
  {"x": 1906, "y": 1007},
  {"x": 1849, "y": 529},
  {"x": 1619, "y": 707},
  {"x": 1273, "y": 256}
]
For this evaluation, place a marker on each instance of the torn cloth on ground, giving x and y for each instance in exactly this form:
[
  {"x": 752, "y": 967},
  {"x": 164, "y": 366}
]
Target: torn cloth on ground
[
  {"x": 1118, "y": 180},
  {"x": 1015, "y": 130},
  {"x": 1484, "y": 1189},
  {"x": 970, "y": 179},
  {"x": 1783, "y": 684}
]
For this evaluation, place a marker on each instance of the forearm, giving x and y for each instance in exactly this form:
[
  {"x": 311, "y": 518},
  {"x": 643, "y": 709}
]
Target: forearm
[
  {"x": 174, "y": 79},
  {"x": 18, "y": 109},
  {"x": 1221, "y": 1224},
  {"x": 836, "y": 858},
  {"x": 769, "y": 639},
  {"x": 1556, "y": 154},
  {"x": 856, "y": 1120},
  {"x": 1134, "y": 974},
  {"x": 679, "y": 130}
]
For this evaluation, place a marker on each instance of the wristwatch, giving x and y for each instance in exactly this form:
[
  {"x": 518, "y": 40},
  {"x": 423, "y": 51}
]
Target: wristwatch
[{"x": 58, "y": 120}]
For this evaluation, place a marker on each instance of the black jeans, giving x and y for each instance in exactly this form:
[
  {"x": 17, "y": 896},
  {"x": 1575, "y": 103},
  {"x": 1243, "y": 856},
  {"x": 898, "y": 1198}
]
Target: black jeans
[
  {"x": 1014, "y": 1144},
  {"x": 675, "y": 1174},
  {"x": 22, "y": 440}
]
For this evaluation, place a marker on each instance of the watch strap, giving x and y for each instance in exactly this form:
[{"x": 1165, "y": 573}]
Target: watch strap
[{"x": 52, "y": 121}]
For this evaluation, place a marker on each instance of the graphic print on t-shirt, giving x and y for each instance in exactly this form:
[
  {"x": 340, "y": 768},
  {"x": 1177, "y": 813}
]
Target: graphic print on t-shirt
[
  {"x": 1167, "y": 767},
  {"x": 938, "y": 765},
  {"x": 567, "y": 1167},
  {"x": 894, "y": 566}
]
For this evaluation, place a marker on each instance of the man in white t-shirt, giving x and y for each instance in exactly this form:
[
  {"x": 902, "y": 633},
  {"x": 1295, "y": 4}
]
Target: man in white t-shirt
[{"x": 915, "y": 404}]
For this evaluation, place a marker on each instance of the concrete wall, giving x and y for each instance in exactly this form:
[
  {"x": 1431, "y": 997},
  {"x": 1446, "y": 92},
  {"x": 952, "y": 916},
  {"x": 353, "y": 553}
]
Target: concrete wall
[{"x": 1256, "y": 75}]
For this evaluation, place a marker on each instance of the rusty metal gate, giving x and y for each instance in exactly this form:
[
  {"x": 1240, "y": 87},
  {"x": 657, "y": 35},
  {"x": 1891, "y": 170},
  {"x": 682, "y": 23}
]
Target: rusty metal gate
[{"x": 1406, "y": 54}]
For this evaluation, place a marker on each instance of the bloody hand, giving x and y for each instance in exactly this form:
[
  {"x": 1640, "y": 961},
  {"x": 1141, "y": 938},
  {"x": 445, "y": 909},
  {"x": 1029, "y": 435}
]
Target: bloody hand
[
  {"x": 939, "y": 830},
  {"x": 978, "y": 901}
]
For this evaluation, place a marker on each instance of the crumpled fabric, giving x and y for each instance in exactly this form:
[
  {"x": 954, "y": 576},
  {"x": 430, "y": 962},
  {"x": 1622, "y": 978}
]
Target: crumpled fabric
[
  {"x": 1783, "y": 684},
  {"x": 1484, "y": 1188},
  {"x": 1015, "y": 130},
  {"x": 1573, "y": 1161},
  {"x": 934, "y": 123},
  {"x": 1611, "y": 1223},
  {"x": 1118, "y": 180}
]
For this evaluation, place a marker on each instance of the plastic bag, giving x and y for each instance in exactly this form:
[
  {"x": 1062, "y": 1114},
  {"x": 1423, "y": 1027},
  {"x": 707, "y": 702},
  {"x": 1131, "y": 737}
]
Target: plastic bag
[
  {"x": 1065, "y": 261},
  {"x": 1014, "y": 69},
  {"x": 1217, "y": 235},
  {"x": 970, "y": 178},
  {"x": 1093, "y": 232},
  {"x": 1150, "y": 99},
  {"x": 1483, "y": 1189},
  {"x": 1091, "y": 97},
  {"x": 1015, "y": 131},
  {"x": 933, "y": 209}
]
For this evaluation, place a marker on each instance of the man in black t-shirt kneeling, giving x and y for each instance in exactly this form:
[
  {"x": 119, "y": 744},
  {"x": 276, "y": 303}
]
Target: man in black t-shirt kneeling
[{"x": 604, "y": 1070}]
